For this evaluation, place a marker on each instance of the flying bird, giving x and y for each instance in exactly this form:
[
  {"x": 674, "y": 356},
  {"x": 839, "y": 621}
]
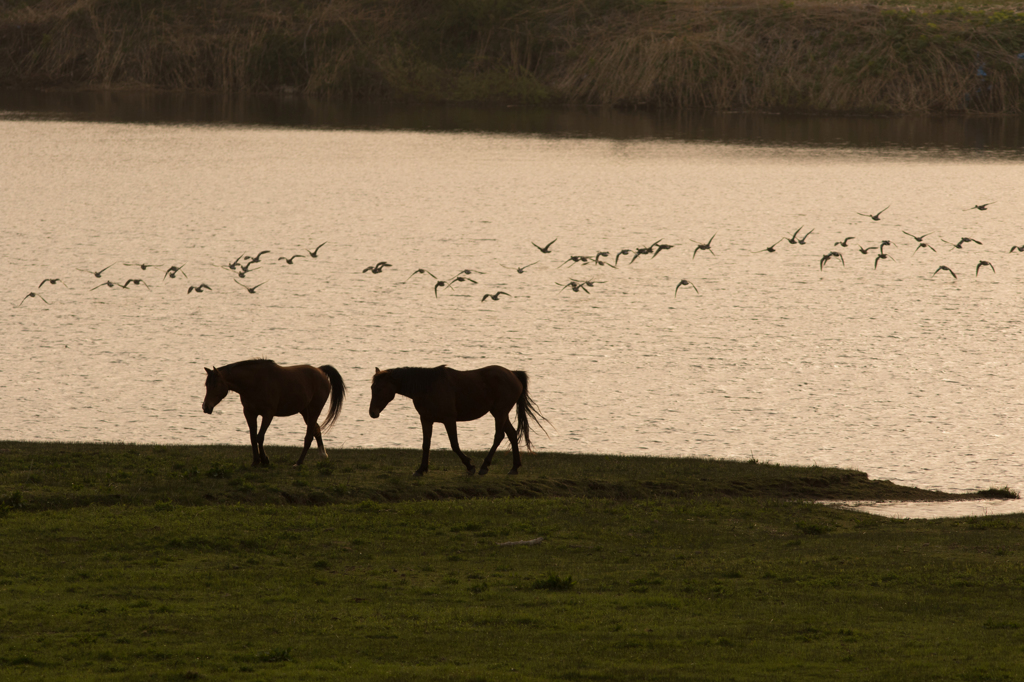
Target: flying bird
[
  {"x": 981, "y": 264},
  {"x": 803, "y": 240},
  {"x": 623, "y": 252},
  {"x": 702, "y": 247},
  {"x": 378, "y": 268},
  {"x": 924, "y": 245},
  {"x": 33, "y": 294},
  {"x": 946, "y": 268},
  {"x": 829, "y": 255},
  {"x": 206, "y": 287},
  {"x": 685, "y": 283},
  {"x": 881, "y": 256},
  {"x": 519, "y": 270},
  {"x": 313, "y": 253},
  {"x": 914, "y": 236},
  {"x": 963, "y": 240},
  {"x": 876, "y": 216},
  {"x": 137, "y": 282},
  {"x": 173, "y": 271},
  {"x": 418, "y": 271},
  {"x": 108, "y": 283},
  {"x": 665, "y": 247},
  {"x": 144, "y": 265},
  {"x": 289, "y": 261},
  {"x": 98, "y": 272},
  {"x": 980, "y": 207},
  {"x": 252, "y": 289},
  {"x": 494, "y": 297},
  {"x": 547, "y": 247},
  {"x": 771, "y": 249},
  {"x": 866, "y": 249},
  {"x": 51, "y": 281},
  {"x": 256, "y": 258},
  {"x": 792, "y": 240},
  {"x": 843, "y": 243}
]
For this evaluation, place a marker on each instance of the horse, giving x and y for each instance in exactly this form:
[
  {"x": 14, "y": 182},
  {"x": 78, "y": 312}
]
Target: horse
[
  {"x": 441, "y": 394},
  {"x": 270, "y": 390}
]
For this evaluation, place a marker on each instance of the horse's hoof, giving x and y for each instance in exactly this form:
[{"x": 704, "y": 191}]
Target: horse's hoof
[
  {"x": 419, "y": 472},
  {"x": 483, "y": 471},
  {"x": 514, "y": 472},
  {"x": 471, "y": 470}
]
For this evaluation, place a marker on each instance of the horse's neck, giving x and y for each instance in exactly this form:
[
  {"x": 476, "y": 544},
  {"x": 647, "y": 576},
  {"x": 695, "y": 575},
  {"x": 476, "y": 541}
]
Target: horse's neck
[{"x": 239, "y": 381}]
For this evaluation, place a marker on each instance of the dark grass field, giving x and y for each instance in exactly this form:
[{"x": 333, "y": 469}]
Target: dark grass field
[{"x": 124, "y": 561}]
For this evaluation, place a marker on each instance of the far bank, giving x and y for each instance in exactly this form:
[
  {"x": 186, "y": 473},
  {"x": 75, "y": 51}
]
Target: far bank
[{"x": 810, "y": 57}]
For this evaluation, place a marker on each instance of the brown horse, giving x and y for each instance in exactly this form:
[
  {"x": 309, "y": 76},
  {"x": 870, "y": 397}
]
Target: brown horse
[
  {"x": 269, "y": 390},
  {"x": 445, "y": 395}
]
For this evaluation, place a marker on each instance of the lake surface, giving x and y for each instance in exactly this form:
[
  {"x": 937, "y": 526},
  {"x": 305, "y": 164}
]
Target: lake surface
[{"x": 887, "y": 367}]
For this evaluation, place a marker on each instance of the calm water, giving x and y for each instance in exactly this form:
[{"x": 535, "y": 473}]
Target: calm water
[{"x": 888, "y": 369}]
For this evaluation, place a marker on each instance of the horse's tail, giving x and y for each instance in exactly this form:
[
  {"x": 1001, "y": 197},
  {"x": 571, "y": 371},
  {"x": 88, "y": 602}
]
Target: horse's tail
[
  {"x": 337, "y": 396},
  {"x": 526, "y": 410}
]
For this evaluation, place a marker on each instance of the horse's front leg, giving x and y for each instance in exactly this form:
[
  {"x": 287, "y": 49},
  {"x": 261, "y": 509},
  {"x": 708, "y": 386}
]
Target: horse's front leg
[
  {"x": 453, "y": 438},
  {"x": 250, "y": 419},
  {"x": 499, "y": 433},
  {"x": 428, "y": 428},
  {"x": 264, "y": 460}
]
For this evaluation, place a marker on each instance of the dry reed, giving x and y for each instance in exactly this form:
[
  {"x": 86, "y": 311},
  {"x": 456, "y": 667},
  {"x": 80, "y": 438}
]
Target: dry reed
[{"x": 760, "y": 56}]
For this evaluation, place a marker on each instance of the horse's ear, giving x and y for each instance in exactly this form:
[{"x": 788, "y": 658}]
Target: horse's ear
[
  {"x": 208, "y": 370},
  {"x": 376, "y": 370}
]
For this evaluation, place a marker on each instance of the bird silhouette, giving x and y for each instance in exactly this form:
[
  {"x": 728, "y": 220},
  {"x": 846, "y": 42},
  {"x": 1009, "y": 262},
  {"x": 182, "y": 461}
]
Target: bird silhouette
[
  {"x": 137, "y": 282},
  {"x": 173, "y": 271},
  {"x": 685, "y": 283},
  {"x": 314, "y": 253},
  {"x": 252, "y": 289},
  {"x": 623, "y": 252},
  {"x": 703, "y": 247},
  {"x": 576, "y": 286},
  {"x": 876, "y": 216},
  {"x": 494, "y": 296},
  {"x": 771, "y": 249},
  {"x": 866, "y": 249},
  {"x": 803, "y": 240},
  {"x": 522, "y": 269},
  {"x": 946, "y": 268},
  {"x": 963, "y": 240},
  {"x": 98, "y": 273},
  {"x": 256, "y": 258},
  {"x": 574, "y": 260},
  {"x": 981, "y": 264},
  {"x": 378, "y": 268},
  {"x": 33, "y": 294},
  {"x": 206, "y": 287},
  {"x": 235, "y": 263},
  {"x": 665, "y": 247},
  {"x": 830, "y": 255},
  {"x": 144, "y": 265},
  {"x": 439, "y": 284},
  {"x": 459, "y": 278},
  {"x": 53, "y": 280},
  {"x": 547, "y": 247},
  {"x": 924, "y": 245},
  {"x": 108, "y": 284},
  {"x": 882, "y": 256},
  {"x": 289, "y": 261},
  {"x": 915, "y": 237},
  {"x": 418, "y": 271},
  {"x": 843, "y": 242},
  {"x": 792, "y": 240},
  {"x": 980, "y": 207},
  {"x": 1017, "y": 248}
]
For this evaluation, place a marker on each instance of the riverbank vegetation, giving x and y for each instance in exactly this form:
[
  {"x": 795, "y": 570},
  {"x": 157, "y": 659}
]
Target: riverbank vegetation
[
  {"x": 126, "y": 561},
  {"x": 781, "y": 56}
]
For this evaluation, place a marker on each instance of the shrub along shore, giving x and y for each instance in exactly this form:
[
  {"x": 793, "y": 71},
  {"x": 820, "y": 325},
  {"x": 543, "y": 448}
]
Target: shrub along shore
[
  {"x": 774, "y": 56},
  {"x": 126, "y": 561}
]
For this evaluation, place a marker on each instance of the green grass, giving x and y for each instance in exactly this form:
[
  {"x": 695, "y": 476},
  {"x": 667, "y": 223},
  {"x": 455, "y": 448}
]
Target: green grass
[{"x": 124, "y": 561}]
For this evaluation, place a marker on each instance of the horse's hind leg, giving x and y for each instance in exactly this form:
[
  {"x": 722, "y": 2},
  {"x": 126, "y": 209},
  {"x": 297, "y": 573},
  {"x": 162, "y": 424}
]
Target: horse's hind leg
[
  {"x": 500, "y": 431},
  {"x": 453, "y": 438},
  {"x": 312, "y": 431},
  {"x": 428, "y": 429},
  {"x": 512, "y": 438}
]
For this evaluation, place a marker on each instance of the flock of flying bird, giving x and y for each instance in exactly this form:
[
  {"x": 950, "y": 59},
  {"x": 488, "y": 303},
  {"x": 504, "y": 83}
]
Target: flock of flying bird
[
  {"x": 241, "y": 267},
  {"x": 244, "y": 265}
]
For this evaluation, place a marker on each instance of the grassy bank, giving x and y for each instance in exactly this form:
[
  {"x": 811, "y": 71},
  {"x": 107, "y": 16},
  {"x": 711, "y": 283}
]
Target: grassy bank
[
  {"x": 754, "y": 56},
  {"x": 124, "y": 561}
]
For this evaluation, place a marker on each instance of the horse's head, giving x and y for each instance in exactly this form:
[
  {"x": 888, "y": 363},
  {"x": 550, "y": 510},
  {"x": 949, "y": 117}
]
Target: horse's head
[
  {"x": 382, "y": 392},
  {"x": 216, "y": 389}
]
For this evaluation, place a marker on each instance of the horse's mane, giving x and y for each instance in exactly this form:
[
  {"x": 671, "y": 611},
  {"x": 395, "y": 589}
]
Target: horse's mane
[
  {"x": 248, "y": 363},
  {"x": 410, "y": 381}
]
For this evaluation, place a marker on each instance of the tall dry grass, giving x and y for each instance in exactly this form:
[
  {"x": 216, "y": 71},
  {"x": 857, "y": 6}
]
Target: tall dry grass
[{"x": 725, "y": 55}]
